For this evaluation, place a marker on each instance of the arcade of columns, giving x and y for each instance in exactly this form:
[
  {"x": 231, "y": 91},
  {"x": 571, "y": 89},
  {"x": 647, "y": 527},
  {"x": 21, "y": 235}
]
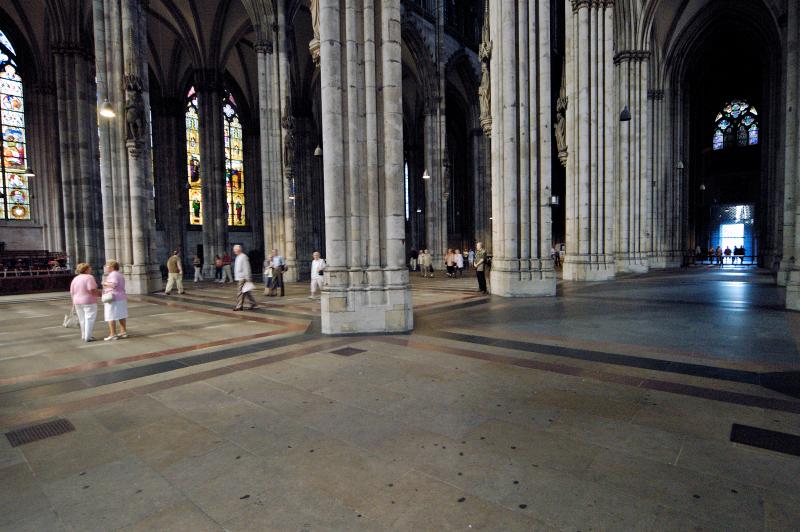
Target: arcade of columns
[{"x": 621, "y": 211}]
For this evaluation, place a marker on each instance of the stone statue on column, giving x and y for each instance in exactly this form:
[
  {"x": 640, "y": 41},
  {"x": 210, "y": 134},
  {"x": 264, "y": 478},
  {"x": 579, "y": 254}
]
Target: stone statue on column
[
  {"x": 561, "y": 119},
  {"x": 288, "y": 143},
  {"x": 485, "y": 89},
  {"x": 313, "y": 46}
]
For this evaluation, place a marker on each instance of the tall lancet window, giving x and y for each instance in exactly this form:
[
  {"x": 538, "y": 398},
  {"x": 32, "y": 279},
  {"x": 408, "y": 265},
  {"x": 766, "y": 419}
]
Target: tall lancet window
[
  {"x": 15, "y": 196},
  {"x": 234, "y": 162},
  {"x": 736, "y": 125},
  {"x": 193, "y": 160}
]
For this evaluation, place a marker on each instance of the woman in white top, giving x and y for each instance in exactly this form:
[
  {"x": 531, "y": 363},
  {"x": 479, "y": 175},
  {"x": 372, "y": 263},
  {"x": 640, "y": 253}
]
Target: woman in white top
[
  {"x": 459, "y": 262},
  {"x": 317, "y": 271}
]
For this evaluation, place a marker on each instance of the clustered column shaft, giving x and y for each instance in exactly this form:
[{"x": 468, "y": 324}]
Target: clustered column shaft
[
  {"x": 367, "y": 286},
  {"x": 590, "y": 134},
  {"x": 125, "y": 169},
  {"x": 521, "y": 149},
  {"x": 634, "y": 183}
]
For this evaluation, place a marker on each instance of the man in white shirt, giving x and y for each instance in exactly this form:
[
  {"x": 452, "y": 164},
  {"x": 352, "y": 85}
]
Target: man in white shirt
[
  {"x": 317, "y": 270},
  {"x": 243, "y": 275},
  {"x": 278, "y": 267}
]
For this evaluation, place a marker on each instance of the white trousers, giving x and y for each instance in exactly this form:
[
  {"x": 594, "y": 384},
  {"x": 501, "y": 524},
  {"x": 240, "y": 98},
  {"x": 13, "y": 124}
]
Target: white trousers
[
  {"x": 316, "y": 286},
  {"x": 226, "y": 273},
  {"x": 87, "y": 314},
  {"x": 198, "y": 275}
]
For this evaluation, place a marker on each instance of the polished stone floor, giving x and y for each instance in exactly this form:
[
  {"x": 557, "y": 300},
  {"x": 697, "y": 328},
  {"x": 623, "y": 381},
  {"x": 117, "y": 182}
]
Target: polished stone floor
[{"x": 610, "y": 407}]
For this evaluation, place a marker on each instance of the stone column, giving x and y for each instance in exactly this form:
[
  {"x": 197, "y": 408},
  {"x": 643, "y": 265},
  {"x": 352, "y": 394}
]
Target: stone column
[
  {"x": 435, "y": 187},
  {"x": 590, "y": 132},
  {"x": 633, "y": 172},
  {"x": 367, "y": 287},
  {"x": 521, "y": 148},
  {"x": 169, "y": 138},
  {"x": 272, "y": 191},
  {"x": 283, "y": 79},
  {"x": 482, "y": 193},
  {"x": 125, "y": 169},
  {"x": 80, "y": 184},
  {"x": 46, "y": 194},
  {"x": 212, "y": 167},
  {"x": 656, "y": 155},
  {"x": 789, "y": 272}
]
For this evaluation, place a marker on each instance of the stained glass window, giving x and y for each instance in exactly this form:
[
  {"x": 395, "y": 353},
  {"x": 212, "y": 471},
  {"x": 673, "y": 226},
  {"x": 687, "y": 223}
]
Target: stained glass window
[
  {"x": 193, "y": 159},
  {"x": 735, "y": 125},
  {"x": 15, "y": 197},
  {"x": 234, "y": 163}
]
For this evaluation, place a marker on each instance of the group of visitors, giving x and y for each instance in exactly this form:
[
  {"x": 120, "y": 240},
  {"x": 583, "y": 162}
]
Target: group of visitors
[
  {"x": 719, "y": 256},
  {"x": 454, "y": 261},
  {"x": 84, "y": 292}
]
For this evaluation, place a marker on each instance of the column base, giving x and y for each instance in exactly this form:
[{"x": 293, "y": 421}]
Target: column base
[
  {"x": 589, "y": 268},
  {"x": 292, "y": 274},
  {"x": 522, "y": 278},
  {"x": 783, "y": 274},
  {"x": 366, "y": 307},
  {"x": 142, "y": 280},
  {"x": 663, "y": 261},
  {"x": 632, "y": 263},
  {"x": 793, "y": 290}
]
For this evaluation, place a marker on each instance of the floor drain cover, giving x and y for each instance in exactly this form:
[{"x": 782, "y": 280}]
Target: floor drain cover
[
  {"x": 348, "y": 351},
  {"x": 39, "y": 432}
]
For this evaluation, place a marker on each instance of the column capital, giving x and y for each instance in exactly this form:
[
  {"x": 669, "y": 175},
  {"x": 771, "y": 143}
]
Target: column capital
[
  {"x": 579, "y": 4},
  {"x": 631, "y": 56},
  {"x": 207, "y": 79},
  {"x": 263, "y": 47}
]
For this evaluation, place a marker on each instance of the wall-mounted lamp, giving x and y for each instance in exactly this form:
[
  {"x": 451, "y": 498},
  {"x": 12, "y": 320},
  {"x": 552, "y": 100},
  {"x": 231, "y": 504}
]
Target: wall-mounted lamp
[
  {"x": 419, "y": 210},
  {"x": 554, "y": 201},
  {"x": 426, "y": 175},
  {"x": 702, "y": 188},
  {"x": 318, "y": 151},
  {"x": 625, "y": 115},
  {"x": 679, "y": 166},
  {"x": 106, "y": 110}
]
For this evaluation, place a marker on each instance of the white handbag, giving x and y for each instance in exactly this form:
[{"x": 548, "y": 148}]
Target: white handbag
[
  {"x": 107, "y": 297},
  {"x": 71, "y": 319}
]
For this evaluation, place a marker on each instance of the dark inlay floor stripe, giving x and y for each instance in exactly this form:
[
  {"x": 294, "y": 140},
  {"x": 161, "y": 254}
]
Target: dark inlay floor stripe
[
  {"x": 47, "y": 390},
  {"x": 605, "y": 376},
  {"x": 766, "y": 439},
  {"x": 654, "y": 364},
  {"x": 62, "y": 408}
]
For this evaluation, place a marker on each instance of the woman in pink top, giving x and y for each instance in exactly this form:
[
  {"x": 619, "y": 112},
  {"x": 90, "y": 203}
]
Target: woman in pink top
[
  {"x": 116, "y": 309},
  {"x": 84, "y": 293}
]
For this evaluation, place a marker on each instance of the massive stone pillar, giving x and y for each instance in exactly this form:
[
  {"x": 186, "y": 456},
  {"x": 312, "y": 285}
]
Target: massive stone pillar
[
  {"x": 436, "y": 187},
  {"x": 80, "y": 180},
  {"x": 367, "y": 288},
  {"x": 633, "y": 172},
  {"x": 658, "y": 176},
  {"x": 208, "y": 84},
  {"x": 125, "y": 170},
  {"x": 482, "y": 194},
  {"x": 590, "y": 134},
  {"x": 790, "y": 269},
  {"x": 521, "y": 148},
  {"x": 169, "y": 135}
]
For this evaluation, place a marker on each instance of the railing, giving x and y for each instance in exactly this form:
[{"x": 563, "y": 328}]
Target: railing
[{"x": 727, "y": 260}]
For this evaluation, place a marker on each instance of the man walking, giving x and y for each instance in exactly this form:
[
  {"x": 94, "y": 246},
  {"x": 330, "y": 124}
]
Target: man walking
[
  {"x": 278, "y": 267},
  {"x": 317, "y": 271},
  {"x": 244, "y": 276},
  {"x": 480, "y": 267},
  {"x": 174, "y": 273}
]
